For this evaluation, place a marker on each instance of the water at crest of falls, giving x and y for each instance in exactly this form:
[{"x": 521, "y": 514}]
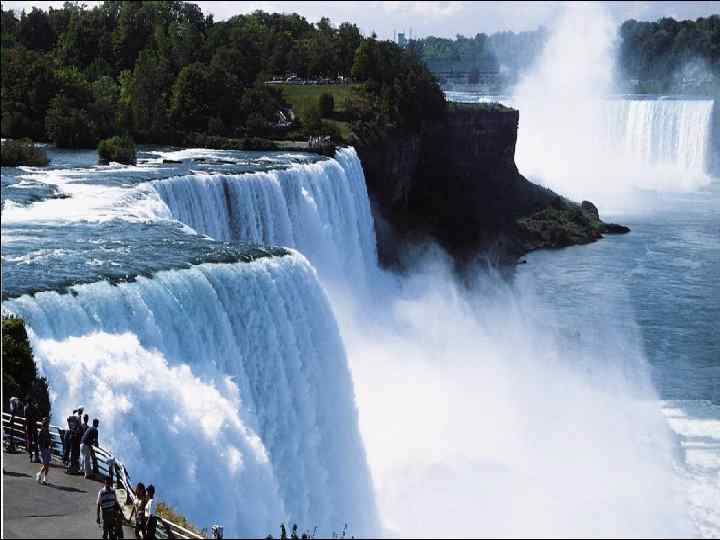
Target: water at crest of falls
[{"x": 321, "y": 209}]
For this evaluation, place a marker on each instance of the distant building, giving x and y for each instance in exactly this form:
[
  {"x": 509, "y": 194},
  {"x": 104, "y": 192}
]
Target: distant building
[{"x": 402, "y": 40}]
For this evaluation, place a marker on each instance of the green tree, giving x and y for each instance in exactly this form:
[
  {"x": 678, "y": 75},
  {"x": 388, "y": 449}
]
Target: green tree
[
  {"x": 28, "y": 84},
  {"x": 149, "y": 91},
  {"x": 326, "y": 104},
  {"x": 190, "y": 103},
  {"x": 68, "y": 126},
  {"x": 20, "y": 374},
  {"x": 104, "y": 108},
  {"x": 35, "y": 32}
]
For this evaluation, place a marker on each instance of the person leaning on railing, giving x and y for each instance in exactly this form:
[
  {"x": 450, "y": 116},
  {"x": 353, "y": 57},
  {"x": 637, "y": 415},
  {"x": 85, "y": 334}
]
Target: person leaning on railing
[
  {"x": 139, "y": 510},
  {"x": 90, "y": 439}
]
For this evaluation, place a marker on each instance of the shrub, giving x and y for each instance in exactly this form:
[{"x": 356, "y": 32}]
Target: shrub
[
  {"x": 215, "y": 126},
  {"x": 258, "y": 143},
  {"x": 311, "y": 120},
  {"x": 256, "y": 125},
  {"x": 120, "y": 149},
  {"x": 165, "y": 511},
  {"x": 201, "y": 140},
  {"x": 326, "y": 104},
  {"x": 331, "y": 130},
  {"x": 19, "y": 372},
  {"x": 23, "y": 152}
]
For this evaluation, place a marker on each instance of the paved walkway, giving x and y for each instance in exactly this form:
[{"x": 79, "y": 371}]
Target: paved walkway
[{"x": 65, "y": 508}]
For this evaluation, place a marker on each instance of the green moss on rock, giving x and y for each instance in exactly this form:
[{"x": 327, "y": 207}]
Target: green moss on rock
[{"x": 565, "y": 223}]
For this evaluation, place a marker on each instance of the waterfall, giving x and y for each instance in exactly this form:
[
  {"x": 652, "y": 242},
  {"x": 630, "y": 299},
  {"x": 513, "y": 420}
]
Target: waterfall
[
  {"x": 226, "y": 385},
  {"x": 665, "y": 143},
  {"x": 321, "y": 209},
  {"x": 662, "y": 132},
  {"x": 606, "y": 150}
]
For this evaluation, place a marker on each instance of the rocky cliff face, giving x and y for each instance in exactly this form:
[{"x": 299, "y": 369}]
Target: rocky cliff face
[{"x": 458, "y": 184}]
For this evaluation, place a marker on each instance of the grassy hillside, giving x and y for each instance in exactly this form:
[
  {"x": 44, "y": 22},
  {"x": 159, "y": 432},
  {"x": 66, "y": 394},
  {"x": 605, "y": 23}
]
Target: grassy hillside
[{"x": 303, "y": 97}]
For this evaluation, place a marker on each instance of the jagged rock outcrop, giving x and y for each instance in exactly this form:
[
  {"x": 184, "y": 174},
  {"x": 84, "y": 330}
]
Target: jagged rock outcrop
[{"x": 458, "y": 183}]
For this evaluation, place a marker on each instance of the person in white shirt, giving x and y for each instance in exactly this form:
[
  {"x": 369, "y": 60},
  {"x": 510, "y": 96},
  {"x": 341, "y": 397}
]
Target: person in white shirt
[
  {"x": 15, "y": 410},
  {"x": 150, "y": 516}
]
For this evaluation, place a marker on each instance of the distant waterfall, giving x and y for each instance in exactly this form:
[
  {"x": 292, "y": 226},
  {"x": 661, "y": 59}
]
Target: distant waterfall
[
  {"x": 660, "y": 132},
  {"x": 226, "y": 385},
  {"x": 598, "y": 147},
  {"x": 321, "y": 209},
  {"x": 604, "y": 149}
]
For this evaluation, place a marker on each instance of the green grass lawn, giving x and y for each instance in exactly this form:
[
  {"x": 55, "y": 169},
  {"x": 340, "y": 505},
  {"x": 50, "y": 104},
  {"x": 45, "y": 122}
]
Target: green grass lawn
[{"x": 300, "y": 96}]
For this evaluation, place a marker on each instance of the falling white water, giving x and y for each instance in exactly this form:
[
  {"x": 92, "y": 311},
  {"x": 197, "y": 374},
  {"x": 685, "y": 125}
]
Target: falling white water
[
  {"x": 321, "y": 209},
  {"x": 577, "y": 141},
  {"x": 661, "y": 133},
  {"x": 225, "y": 385},
  {"x": 483, "y": 417},
  {"x": 471, "y": 404}
]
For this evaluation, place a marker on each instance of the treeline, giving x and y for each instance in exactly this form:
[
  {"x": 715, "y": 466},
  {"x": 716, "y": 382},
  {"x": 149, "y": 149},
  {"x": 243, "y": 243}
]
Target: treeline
[
  {"x": 510, "y": 52},
  {"x": 159, "y": 70},
  {"x": 672, "y": 56}
]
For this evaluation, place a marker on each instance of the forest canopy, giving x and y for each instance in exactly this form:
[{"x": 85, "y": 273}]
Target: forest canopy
[
  {"x": 159, "y": 70},
  {"x": 670, "y": 55}
]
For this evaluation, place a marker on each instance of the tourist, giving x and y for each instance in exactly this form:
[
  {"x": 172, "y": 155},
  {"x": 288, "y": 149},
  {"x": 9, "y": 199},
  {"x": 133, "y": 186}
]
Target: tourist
[
  {"x": 75, "y": 441},
  {"x": 119, "y": 517},
  {"x": 72, "y": 422},
  {"x": 90, "y": 439},
  {"x": 111, "y": 467},
  {"x": 139, "y": 509},
  {"x": 107, "y": 503},
  {"x": 15, "y": 410},
  {"x": 65, "y": 436},
  {"x": 45, "y": 444},
  {"x": 83, "y": 428},
  {"x": 150, "y": 516},
  {"x": 31, "y": 431}
]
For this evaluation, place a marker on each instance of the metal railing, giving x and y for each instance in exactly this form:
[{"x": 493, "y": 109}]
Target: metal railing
[{"x": 15, "y": 431}]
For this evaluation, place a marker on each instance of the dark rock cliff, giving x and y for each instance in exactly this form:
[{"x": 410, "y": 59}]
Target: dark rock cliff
[{"x": 458, "y": 183}]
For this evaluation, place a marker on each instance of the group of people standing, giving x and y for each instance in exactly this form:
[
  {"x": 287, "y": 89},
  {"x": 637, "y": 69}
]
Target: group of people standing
[
  {"x": 38, "y": 442},
  {"x": 79, "y": 439},
  {"x": 144, "y": 509},
  {"x": 109, "y": 512}
]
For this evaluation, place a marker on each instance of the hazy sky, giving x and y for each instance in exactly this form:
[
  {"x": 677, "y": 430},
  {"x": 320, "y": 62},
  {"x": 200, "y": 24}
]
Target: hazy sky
[{"x": 439, "y": 18}]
